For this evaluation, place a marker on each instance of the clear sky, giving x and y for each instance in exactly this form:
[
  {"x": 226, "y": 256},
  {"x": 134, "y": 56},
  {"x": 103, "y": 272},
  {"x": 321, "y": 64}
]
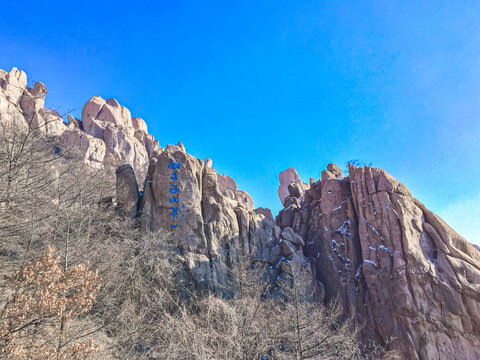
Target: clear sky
[{"x": 260, "y": 86}]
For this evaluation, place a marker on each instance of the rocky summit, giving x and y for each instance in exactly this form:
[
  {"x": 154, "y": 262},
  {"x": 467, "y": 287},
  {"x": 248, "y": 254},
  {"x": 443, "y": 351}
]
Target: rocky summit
[
  {"x": 398, "y": 269},
  {"x": 396, "y": 266}
]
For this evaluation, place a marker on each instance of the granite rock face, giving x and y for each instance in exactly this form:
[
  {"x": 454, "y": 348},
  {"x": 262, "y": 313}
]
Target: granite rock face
[
  {"x": 399, "y": 269},
  {"x": 287, "y": 178},
  {"x": 125, "y": 138},
  {"x": 106, "y": 136},
  {"x": 265, "y": 212},
  {"x": 216, "y": 228},
  {"x": 127, "y": 189}
]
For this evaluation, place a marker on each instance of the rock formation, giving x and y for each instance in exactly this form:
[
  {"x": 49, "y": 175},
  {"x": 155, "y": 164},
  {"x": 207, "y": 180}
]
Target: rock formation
[
  {"x": 265, "y": 212},
  {"x": 396, "y": 266},
  {"x": 288, "y": 178},
  {"x": 106, "y": 137},
  {"x": 127, "y": 189},
  {"x": 217, "y": 223}
]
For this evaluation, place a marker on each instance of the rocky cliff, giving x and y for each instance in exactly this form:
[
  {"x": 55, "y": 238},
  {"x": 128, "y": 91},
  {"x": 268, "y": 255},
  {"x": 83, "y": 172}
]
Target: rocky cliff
[
  {"x": 396, "y": 266},
  {"x": 398, "y": 269},
  {"x": 217, "y": 224},
  {"x": 106, "y": 136}
]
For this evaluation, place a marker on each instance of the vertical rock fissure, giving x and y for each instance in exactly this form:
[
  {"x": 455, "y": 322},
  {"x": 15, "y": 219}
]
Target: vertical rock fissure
[{"x": 205, "y": 227}]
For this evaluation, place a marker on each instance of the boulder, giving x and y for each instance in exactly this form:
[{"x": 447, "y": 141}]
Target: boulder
[
  {"x": 287, "y": 248},
  {"x": 290, "y": 177},
  {"x": 265, "y": 212},
  {"x": 127, "y": 189},
  {"x": 289, "y": 235},
  {"x": 208, "y": 163}
]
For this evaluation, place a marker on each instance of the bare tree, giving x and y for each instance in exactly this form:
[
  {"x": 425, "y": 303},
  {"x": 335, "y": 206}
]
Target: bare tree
[
  {"x": 35, "y": 322},
  {"x": 236, "y": 327},
  {"x": 40, "y": 188},
  {"x": 139, "y": 295},
  {"x": 50, "y": 197},
  {"x": 308, "y": 329}
]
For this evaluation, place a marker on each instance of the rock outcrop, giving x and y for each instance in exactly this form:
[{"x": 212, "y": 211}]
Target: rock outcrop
[
  {"x": 106, "y": 137},
  {"x": 396, "y": 266},
  {"x": 125, "y": 138},
  {"x": 289, "y": 178},
  {"x": 217, "y": 225},
  {"x": 127, "y": 189},
  {"x": 265, "y": 212}
]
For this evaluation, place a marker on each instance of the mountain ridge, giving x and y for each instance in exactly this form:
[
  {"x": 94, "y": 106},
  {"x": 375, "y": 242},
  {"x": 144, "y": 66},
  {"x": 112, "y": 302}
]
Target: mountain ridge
[{"x": 396, "y": 267}]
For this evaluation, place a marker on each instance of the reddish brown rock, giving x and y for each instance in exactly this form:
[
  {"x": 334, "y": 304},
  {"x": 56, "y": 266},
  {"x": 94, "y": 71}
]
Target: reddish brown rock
[
  {"x": 286, "y": 178},
  {"x": 265, "y": 212},
  {"x": 397, "y": 267}
]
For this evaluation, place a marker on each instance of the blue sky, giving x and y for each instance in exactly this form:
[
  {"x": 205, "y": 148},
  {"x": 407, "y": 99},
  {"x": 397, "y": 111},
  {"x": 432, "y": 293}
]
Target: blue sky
[{"x": 260, "y": 86}]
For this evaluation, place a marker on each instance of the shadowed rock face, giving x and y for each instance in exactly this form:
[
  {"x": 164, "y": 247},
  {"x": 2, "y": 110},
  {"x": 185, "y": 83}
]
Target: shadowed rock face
[
  {"x": 399, "y": 268},
  {"x": 127, "y": 189},
  {"x": 289, "y": 178}
]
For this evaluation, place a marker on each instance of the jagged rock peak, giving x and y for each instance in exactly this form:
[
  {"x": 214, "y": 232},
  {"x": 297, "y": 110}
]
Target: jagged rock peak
[
  {"x": 106, "y": 137},
  {"x": 125, "y": 138},
  {"x": 395, "y": 265},
  {"x": 286, "y": 178},
  {"x": 178, "y": 147},
  {"x": 215, "y": 223},
  {"x": 332, "y": 171}
]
